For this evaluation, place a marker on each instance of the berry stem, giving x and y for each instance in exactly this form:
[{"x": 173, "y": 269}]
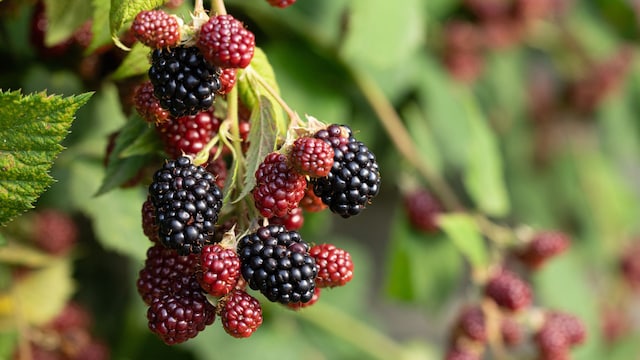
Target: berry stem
[
  {"x": 218, "y": 7},
  {"x": 198, "y": 7},
  {"x": 348, "y": 328},
  {"x": 293, "y": 116},
  {"x": 401, "y": 138}
]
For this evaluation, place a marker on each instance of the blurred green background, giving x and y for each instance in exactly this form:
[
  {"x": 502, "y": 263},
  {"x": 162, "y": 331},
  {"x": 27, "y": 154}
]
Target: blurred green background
[{"x": 528, "y": 115}]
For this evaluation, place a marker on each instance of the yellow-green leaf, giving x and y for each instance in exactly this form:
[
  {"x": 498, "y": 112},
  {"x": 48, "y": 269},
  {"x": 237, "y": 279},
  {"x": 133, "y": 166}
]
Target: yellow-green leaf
[{"x": 31, "y": 129}]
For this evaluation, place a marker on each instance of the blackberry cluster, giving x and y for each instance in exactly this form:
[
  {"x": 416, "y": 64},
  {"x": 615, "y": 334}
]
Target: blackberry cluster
[
  {"x": 187, "y": 202},
  {"x": 277, "y": 263},
  {"x": 176, "y": 318},
  {"x": 183, "y": 81},
  {"x": 354, "y": 178}
]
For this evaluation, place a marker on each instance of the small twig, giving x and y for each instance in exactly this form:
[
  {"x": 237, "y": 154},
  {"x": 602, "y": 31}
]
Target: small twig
[{"x": 218, "y": 7}]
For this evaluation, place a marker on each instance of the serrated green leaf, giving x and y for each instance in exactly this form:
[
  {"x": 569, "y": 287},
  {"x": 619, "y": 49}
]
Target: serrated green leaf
[
  {"x": 135, "y": 63},
  {"x": 123, "y": 11},
  {"x": 465, "y": 234},
  {"x": 53, "y": 283},
  {"x": 31, "y": 129},
  {"x": 262, "y": 141},
  {"x": 483, "y": 175},
  {"x": 121, "y": 168},
  {"x": 64, "y": 17}
]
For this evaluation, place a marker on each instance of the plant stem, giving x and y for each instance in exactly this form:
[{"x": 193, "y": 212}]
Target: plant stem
[
  {"x": 198, "y": 6},
  {"x": 401, "y": 138},
  {"x": 350, "y": 329},
  {"x": 218, "y": 7},
  {"x": 292, "y": 114}
]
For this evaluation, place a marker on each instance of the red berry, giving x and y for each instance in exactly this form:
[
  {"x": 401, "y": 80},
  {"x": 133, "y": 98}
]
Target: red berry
[
  {"x": 423, "y": 209},
  {"x": 508, "y": 290},
  {"x": 54, "y": 231},
  {"x": 311, "y": 156},
  {"x": 219, "y": 270},
  {"x": 557, "y": 334},
  {"x": 188, "y": 134},
  {"x": 471, "y": 324},
  {"x": 300, "y": 305},
  {"x": 241, "y": 314},
  {"x": 227, "y": 80},
  {"x": 224, "y": 42},
  {"x": 291, "y": 221},
  {"x": 218, "y": 167},
  {"x": 156, "y": 29},
  {"x": 543, "y": 246},
  {"x": 511, "y": 331},
  {"x": 311, "y": 202},
  {"x": 630, "y": 265},
  {"x": 165, "y": 272},
  {"x": 279, "y": 188},
  {"x": 94, "y": 350},
  {"x": 149, "y": 226},
  {"x": 281, "y": 3},
  {"x": 176, "y": 318},
  {"x": 458, "y": 353},
  {"x": 147, "y": 105},
  {"x": 72, "y": 316},
  {"x": 335, "y": 267}
]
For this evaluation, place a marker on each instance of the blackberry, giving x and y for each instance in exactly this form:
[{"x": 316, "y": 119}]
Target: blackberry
[
  {"x": 510, "y": 331},
  {"x": 543, "y": 246},
  {"x": 277, "y": 263},
  {"x": 312, "y": 157},
  {"x": 423, "y": 208},
  {"x": 187, "y": 202},
  {"x": 279, "y": 188},
  {"x": 148, "y": 105},
  {"x": 354, "y": 178},
  {"x": 299, "y": 305},
  {"x": 54, "y": 231},
  {"x": 291, "y": 221},
  {"x": 149, "y": 226},
  {"x": 176, "y": 318},
  {"x": 508, "y": 290},
  {"x": 310, "y": 202},
  {"x": 281, "y": 3},
  {"x": 183, "y": 81},
  {"x": 335, "y": 267},
  {"x": 156, "y": 29},
  {"x": 225, "y": 42},
  {"x": 188, "y": 134},
  {"x": 219, "y": 270},
  {"x": 228, "y": 78},
  {"x": 471, "y": 323},
  {"x": 166, "y": 272},
  {"x": 240, "y": 313}
]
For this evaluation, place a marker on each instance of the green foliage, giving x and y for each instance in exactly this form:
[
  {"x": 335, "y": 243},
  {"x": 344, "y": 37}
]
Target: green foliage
[
  {"x": 31, "y": 129},
  {"x": 463, "y": 231},
  {"x": 64, "y": 17}
]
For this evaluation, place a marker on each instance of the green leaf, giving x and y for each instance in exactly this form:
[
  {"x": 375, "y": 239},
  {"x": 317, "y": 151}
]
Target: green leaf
[
  {"x": 123, "y": 11},
  {"x": 53, "y": 283},
  {"x": 121, "y": 168},
  {"x": 31, "y": 129},
  {"x": 463, "y": 230},
  {"x": 423, "y": 137},
  {"x": 64, "y": 17},
  {"x": 249, "y": 89},
  {"x": 423, "y": 268},
  {"x": 262, "y": 141},
  {"x": 369, "y": 43},
  {"x": 135, "y": 63},
  {"x": 100, "y": 25},
  {"x": 483, "y": 177}
]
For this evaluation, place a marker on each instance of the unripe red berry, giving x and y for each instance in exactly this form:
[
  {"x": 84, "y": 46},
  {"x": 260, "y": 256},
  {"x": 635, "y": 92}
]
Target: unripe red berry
[{"x": 508, "y": 290}]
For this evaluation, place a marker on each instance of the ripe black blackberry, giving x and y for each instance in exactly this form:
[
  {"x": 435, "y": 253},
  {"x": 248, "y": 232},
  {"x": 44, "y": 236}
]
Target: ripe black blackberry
[
  {"x": 277, "y": 263},
  {"x": 354, "y": 178},
  {"x": 183, "y": 81},
  {"x": 187, "y": 202}
]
